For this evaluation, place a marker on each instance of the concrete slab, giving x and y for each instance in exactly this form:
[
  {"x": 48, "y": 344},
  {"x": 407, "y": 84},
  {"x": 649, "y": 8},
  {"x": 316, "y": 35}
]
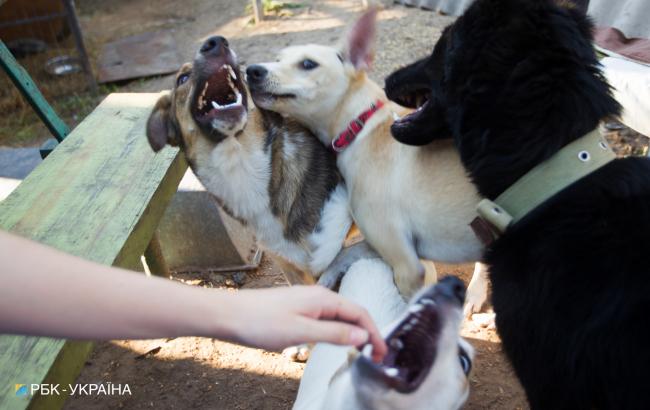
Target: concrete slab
[
  {"x": 195, "y": 235},
  {"x": 15, "y": 165}
]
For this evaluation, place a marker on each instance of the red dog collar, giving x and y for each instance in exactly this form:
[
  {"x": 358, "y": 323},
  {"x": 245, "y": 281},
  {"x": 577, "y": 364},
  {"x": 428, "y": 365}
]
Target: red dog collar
[{"x": 354, "y": 128}]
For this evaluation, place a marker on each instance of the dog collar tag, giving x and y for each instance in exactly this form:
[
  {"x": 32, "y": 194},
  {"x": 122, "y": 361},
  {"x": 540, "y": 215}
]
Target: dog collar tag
[{"x": 354, "y": 127}]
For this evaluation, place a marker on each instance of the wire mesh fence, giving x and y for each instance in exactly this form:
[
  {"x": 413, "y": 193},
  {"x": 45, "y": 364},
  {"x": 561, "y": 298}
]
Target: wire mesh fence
[{"x": 39, "y": 35}]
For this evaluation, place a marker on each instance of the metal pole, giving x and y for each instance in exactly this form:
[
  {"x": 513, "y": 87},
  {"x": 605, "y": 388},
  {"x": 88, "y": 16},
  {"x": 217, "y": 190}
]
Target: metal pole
[
  {"x": 73, "y": 22},
  {"x": 26, "y": 86}
]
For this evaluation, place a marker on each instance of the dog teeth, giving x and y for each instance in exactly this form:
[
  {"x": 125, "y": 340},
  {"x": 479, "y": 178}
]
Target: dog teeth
[
  {"x": 396, "y": 117},
  {"x": 396, "y": 343},
  {"x": 428, "y": 301},
  {"x": 391, "y": 372},
  {"x": 232, "y": 73},
  {"x": 237, "y": 102},
  {"x": 415, "y": 308}
]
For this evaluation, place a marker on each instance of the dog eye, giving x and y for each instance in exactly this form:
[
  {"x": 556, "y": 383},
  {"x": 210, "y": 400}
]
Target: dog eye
[
  {"x": 465, "y": 361},
  {"x": 308, "y": 64},
  {"x": 182, "y": 79}
]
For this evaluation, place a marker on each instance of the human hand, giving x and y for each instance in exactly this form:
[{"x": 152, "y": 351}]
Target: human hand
[{"x": 280, "y": 317}]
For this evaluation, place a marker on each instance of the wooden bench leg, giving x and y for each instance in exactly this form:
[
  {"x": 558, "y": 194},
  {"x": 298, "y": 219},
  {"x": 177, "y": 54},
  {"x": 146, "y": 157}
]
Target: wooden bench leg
[{"x": 155, "y": 258}]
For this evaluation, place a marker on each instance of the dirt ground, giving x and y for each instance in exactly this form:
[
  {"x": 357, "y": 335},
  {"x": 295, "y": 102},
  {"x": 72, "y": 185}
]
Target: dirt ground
[{"x": 198, "y": 373}]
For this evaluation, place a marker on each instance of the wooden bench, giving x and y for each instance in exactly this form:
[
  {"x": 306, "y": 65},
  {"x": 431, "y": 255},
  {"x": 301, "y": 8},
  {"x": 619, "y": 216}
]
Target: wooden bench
[{"x": 100, "y": 196}]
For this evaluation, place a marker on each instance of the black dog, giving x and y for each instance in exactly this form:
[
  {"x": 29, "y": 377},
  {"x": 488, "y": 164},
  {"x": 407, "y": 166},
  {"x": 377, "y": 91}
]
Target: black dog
[{"x": 514, "y": 81}]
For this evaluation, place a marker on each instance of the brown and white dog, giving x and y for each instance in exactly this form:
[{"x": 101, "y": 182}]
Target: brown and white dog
[
  {"x": 427, "y": 365},
  {"x": 409, "y": 202},
  {"x": 268, "y": 172}
]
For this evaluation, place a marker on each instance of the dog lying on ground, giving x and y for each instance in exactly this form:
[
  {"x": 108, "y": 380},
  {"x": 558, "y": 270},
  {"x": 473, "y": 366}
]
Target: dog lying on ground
[
  {"x": 267, "y": 172},
  {"x": 427, "y": 365},
  {"x": 402, "y": 212},
  {"x": 515, "y": 82}
]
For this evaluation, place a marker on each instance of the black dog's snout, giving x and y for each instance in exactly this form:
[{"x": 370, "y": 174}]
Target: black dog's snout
[
  {"x": 256, "y": 73},
  {"x": 214, "y": 45},
  {"x": 451, "y": 287}
]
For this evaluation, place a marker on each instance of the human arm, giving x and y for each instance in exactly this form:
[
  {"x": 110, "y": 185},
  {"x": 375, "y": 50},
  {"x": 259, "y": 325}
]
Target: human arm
[{"x": 49, "y": 293}]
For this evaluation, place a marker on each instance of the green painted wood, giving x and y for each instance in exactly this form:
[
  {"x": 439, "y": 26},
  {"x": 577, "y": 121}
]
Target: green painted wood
[
  {"x": 32, "y": 94},
  {"x": 99, "y": 195},
  {"x": 155, "y": 258}
]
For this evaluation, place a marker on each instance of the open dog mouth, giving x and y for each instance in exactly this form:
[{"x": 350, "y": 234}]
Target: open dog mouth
[
  {"x": 220, "y": 97},
  {"x": 412, "y": 97},
  {"x": 412, "y": 348}
]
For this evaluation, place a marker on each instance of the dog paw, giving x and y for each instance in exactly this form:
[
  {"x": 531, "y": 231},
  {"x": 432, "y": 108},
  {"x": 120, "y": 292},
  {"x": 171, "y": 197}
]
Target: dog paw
[
  {"x": 477, "y": 291},
  {"x": 485, "y": 320},
  {"x": 473, "y": 306},
  {"x": 298, "y": 353},
  {"x": 329, "y": 279}
]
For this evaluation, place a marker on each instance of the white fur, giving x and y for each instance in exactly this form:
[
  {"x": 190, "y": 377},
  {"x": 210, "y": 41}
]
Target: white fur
[
  {"x": 327, "y": 382},
  {"x": 477, "y": 290},
  {"x": 227, "y": 127},
  {"x": 241, "y": 178},
  {"x": 334, "y": 225},
  {"x": 409, "y": 202},
  {"x": 239, "y": 175},
  {"x": 369, "y": 283}
]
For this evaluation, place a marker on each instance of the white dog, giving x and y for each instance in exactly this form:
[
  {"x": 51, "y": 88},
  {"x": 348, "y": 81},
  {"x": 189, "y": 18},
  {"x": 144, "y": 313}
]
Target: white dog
[
  {"x": 427, "y": 365},
  {"x": 409, "y": 202}
]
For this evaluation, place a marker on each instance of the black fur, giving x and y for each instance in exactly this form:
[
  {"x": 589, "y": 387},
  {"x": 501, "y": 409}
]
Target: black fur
[
  {"x": 517, "y": 77},
  {"x": 513, "y": 81}
]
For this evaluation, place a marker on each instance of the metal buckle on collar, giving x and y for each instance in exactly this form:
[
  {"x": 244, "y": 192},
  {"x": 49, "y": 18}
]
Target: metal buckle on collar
[{"x": 334, "y": 147}]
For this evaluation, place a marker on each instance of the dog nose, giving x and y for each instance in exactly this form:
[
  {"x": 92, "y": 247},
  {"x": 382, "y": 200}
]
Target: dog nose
[
  {"x": 256, "y": 73},
  {"x": 452, "y": 287},
  {"x": 214, "y": 45}
]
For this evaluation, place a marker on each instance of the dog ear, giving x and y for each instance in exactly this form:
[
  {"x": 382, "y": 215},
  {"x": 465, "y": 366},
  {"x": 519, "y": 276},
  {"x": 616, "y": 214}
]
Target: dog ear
[
  {"x": 359, "y": 47},
  {"x": 160, "y": 127}
]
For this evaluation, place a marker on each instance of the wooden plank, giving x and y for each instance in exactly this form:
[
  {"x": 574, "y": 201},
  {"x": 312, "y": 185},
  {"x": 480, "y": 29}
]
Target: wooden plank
[
  {"x": 155, "y": 258},
  {"x": 32, "y": 94},
  {"x": 99, "y": 195},
  {"x": 36, "y": 353},
  {"x": 142, "y": 55}
]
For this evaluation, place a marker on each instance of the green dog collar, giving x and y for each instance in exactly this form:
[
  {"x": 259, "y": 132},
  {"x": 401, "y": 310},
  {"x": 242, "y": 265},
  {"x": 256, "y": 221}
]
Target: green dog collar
[{"x": 576, "y": 160}]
